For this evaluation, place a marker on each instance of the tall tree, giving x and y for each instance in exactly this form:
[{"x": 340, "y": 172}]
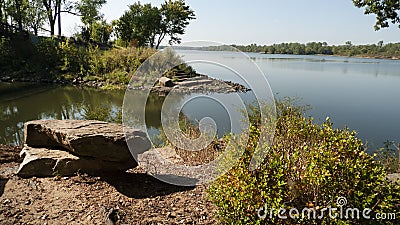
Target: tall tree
[
  {"x": 148, "y": 25},
  {"x": 140, "y": 24},
  {"x": 89, "y": 10},
  {"x": 53, "y": 9},
  {"x": 36, "y": 16},
  {"x": 17, "y": 10},
  {"x": 386, "y": 11},
  {"x": 175, "y": 18},
  {"x": 2, "y": 9}
]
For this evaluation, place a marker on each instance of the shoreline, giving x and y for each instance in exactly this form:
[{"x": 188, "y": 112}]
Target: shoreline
[
  {"x": 197, "y": 83},
  {"x": 345, "y": 56}
]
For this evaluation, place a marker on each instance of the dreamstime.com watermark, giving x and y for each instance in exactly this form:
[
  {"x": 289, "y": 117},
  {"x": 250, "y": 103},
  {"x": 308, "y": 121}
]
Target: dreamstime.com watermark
[{"x": 341, "y": 212}]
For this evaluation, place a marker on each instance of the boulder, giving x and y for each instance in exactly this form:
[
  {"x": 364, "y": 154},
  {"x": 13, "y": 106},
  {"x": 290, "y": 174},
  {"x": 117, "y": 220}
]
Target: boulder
[
  {"x": 165, "y": 82},
  {"x": 88, "y": 138},
  {"x": 43, "y": 162}
]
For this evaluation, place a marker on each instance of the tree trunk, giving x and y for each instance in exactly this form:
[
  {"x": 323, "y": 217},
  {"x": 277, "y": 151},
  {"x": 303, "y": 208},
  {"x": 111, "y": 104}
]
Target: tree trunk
[
  {"x": 49, "y": 12},
  {"x": 52, "y": 25},
  {"x": 59, "y": 17},
  {"x": 160, "y": 38},
  {"x": 19, "y": 16},
  {"x": 1, "y": 11}
]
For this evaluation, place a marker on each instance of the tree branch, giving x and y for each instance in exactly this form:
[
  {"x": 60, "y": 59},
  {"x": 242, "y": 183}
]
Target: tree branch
[{"x": 70, "y": 12}]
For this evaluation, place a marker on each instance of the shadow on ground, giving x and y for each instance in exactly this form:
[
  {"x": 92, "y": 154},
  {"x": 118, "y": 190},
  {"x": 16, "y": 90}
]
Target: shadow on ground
[
  {"x": 3, "y": 182},
  {"x": 140, "y": 185}
]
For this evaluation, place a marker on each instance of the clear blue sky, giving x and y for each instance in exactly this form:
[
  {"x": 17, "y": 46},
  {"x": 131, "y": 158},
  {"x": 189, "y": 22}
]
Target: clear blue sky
[{"x": 269, "y": 21}]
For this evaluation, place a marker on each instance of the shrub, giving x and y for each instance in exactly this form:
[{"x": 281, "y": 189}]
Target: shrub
[
  {"x": 387, "y": 157},
  {"x": 307, "y": 166},
  {"x": 48, "y": 54}
]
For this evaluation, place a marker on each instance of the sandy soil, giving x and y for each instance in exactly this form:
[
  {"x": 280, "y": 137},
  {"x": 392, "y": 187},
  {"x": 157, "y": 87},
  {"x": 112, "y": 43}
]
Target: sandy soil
[{"x": 131, "y": 197}]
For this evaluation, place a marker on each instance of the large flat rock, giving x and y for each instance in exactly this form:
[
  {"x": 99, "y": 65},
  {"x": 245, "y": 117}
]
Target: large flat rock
[
  {"x": 42, "y": 162},
  {"x": 90, "y": 138}
]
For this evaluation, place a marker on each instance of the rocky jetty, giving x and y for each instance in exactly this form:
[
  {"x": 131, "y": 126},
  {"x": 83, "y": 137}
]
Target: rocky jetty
[
  {"x": 195, "y": 83},
  {"x": 65, "y": 147}
]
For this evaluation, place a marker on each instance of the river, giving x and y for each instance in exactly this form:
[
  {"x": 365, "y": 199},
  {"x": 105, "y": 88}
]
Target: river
[{"x": 362, "y": 94}]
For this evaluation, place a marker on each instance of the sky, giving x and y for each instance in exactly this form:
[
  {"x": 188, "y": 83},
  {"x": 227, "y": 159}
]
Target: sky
[{"x": 267, "y": 22}]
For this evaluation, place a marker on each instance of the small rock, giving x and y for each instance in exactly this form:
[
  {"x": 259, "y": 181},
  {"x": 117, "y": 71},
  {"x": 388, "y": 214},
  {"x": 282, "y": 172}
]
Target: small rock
[
  {"x": 165, "y": 82},
  {"x": 6, "y": 201},
  {"x": 171, "y": 214}
]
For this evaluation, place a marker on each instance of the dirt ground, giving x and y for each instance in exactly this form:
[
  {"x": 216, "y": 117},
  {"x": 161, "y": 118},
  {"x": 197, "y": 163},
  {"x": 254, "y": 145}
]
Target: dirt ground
[{"x": 131, "y": 197}]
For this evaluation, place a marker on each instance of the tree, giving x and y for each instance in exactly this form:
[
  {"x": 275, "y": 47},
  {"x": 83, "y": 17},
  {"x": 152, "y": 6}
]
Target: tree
[
  {"x": 2, "y": 11},
  {"x": 176, "y": 16},
  {"x": 149, "y": 26},
  {"x": 89, "y": 12},
  {"x": 17, "y": 10},
  {"x": 386, "y": 11},
  {"x": 140, "y": 24},
  {"x": 36, "y": 16},
  {"x": 100, "y": 31},
  {"x": 53, "y": 10}
]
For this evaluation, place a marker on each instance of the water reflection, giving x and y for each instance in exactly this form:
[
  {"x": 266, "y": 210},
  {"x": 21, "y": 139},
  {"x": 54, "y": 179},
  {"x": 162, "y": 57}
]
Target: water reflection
[{"x": 20, "y": 103}]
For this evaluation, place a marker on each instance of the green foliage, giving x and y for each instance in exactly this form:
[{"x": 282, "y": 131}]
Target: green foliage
[
  {"x": 117, "y": 66},
  {"x": 101, "y": 31},
  {"x": 175, "y": 18},
  {"x": 95, "y": 28},
  {"x": 307, "y": 166},
  {"x": 386, "y": 11},
  {"x": 141, "y": 23},
  {"x": 53, "y": 58},
  {"x": 49, "y": 56},
  {"x": 181, "y": 68},
  {"x": 74, "y": 58},
  {"x": 145, "y": 25},
  {"x": 89, "y": 10}
]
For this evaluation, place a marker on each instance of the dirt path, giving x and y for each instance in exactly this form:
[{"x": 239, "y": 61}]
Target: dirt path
[{"x": 132, "y": 197}]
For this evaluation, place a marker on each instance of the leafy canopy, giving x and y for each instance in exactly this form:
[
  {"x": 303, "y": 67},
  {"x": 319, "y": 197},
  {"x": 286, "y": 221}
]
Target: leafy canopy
[
  {"x": 385, "y": 10},
  {"x": 146, "y": 25}
]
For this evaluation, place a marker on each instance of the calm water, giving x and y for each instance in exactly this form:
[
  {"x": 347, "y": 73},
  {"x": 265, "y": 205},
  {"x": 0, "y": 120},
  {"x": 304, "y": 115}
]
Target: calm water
[{"x": 362, "y": 94}]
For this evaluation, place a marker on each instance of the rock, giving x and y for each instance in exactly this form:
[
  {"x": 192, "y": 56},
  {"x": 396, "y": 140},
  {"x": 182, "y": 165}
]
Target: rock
[
  {"x": 42, "y": 162},
  {"x": 165, "y": 82},
  {"x": 97, "y": 139}
]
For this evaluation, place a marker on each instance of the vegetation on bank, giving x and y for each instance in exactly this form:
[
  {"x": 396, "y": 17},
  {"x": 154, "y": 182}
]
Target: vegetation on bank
[
  {"x": 308, "y": 166},
  {"x": 379, "y": 50},
  {"x": 53, "y": 59},
  {"x": 93, "y": 55}
]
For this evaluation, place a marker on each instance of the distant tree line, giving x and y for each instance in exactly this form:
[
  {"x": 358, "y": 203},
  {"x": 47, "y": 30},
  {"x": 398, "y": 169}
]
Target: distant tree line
[{"x": 381, "y": 50}]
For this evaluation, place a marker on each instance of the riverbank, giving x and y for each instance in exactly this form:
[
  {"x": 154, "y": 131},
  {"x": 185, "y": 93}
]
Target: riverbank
[
  {"x": 183, "y": 84},
  {"x": 131, "y": 197}
]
